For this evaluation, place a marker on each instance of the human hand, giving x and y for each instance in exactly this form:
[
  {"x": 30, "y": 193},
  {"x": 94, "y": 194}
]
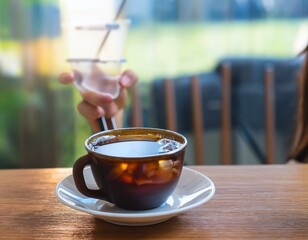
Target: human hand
[{"x": 97, "y": 105}]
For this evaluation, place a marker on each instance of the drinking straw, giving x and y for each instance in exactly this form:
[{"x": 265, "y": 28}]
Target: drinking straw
[
  {"x": 108, "y": 32},
  {"x": 108, "y": 123}
]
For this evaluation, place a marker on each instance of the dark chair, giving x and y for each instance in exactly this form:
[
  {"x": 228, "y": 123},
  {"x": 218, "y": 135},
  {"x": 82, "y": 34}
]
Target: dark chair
[{"x": 252, "y": 98}]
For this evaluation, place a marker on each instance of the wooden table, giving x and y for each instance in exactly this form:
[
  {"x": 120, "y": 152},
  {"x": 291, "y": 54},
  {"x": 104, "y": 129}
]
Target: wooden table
[{"x": 256, "y": 202}]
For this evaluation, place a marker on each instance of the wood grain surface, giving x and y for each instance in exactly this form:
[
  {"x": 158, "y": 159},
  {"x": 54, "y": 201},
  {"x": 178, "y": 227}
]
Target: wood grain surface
[{"x": 251, "y": 202}]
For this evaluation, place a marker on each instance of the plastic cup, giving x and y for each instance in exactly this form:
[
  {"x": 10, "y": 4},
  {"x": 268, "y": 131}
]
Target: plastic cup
[
  {"x": 97, "y": 76},
  {"x": 84, "y": 39}
]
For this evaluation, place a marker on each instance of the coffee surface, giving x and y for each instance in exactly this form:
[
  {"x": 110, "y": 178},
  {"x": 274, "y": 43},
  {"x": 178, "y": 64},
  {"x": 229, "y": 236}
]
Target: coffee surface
[{"x": 137, "y": 148}]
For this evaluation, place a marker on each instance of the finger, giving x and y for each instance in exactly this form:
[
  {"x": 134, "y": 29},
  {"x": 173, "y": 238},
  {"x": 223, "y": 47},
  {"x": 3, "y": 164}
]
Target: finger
[
  {"x": 128, "y": 79},
  {"x": 110, "y": 109},
  {"x": 66, "y": 78},
  {"x": 92, "y": 114},
  {"x": 121, "y": 99},
  {"x": 89, "y": 111},
  {"x": 95, "y": 125},
  {"x": 96, "y": 99}
]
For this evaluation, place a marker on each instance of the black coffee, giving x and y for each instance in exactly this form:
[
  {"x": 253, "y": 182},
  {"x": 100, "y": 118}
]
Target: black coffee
[
  {"x": 146, "y": 181},
  {"x": 135, "y": 168}
]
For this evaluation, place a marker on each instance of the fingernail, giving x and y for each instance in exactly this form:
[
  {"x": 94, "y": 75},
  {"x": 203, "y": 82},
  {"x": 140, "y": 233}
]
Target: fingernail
[{"x": 125, "y": 80}]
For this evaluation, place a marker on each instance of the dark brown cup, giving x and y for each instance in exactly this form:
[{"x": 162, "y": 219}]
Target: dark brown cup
[{"x": 131, "y": 182}]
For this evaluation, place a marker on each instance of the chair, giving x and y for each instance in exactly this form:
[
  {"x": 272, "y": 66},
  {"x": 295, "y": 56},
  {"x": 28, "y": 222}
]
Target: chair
[{"x": 225, "y": 83}]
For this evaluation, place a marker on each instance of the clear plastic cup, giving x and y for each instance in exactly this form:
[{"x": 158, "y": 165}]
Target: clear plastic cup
[
  {"x": 84, "y": 39},
  {"x": 97, "y": 76}
]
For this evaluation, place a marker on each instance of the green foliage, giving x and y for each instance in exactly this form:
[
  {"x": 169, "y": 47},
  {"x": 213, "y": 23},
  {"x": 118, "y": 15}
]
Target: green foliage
[
  {"x": 175, "y": 49},
  {"x": 4, "y": 23}
]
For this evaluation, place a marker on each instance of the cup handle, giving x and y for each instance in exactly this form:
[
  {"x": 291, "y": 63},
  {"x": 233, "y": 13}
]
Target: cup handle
[{"x": 80, "y": 180}]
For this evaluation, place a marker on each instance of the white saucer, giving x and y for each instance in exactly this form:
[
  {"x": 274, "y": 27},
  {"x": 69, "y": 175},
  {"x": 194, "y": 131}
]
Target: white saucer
[{"x": 192, "y": 190}]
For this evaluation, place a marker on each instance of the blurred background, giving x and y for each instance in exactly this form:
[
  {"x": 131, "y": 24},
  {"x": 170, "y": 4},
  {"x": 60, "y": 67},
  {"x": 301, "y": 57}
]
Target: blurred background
[{"x": 39, "y": 124}]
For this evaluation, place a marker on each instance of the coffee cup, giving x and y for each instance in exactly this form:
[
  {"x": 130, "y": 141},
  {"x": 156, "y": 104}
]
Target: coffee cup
[{"x": 134, "y": 168}]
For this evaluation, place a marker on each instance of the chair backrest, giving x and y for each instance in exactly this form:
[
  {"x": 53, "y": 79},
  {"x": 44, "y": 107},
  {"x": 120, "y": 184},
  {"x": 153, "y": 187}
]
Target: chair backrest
[{"x": 198, "y": 119}]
